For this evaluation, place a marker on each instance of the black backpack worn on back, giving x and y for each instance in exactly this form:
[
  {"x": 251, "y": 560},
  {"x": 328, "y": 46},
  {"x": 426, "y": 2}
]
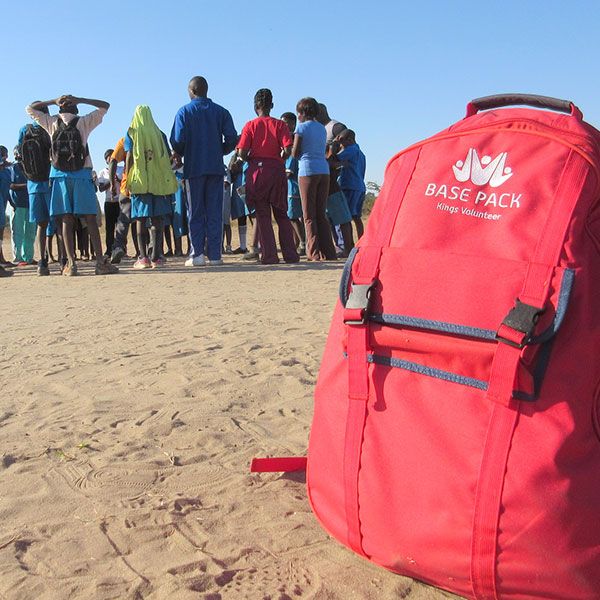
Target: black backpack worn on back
[
  {"x": 35, "y": 153},
  {"x": 68, "y": 151}
]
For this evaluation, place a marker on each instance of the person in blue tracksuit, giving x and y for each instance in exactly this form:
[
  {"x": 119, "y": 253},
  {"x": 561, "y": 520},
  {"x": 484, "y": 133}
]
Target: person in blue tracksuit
[{"x": 203, "y": 132}]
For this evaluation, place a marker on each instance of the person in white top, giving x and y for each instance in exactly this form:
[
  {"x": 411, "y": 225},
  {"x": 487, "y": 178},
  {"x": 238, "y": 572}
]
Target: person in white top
[
  {"x": 73, "y": 190},
  {"x": 111, "y": 202}
]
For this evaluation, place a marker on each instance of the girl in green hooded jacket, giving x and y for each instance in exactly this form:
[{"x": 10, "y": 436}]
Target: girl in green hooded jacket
[{"x": 151, "y": 183}]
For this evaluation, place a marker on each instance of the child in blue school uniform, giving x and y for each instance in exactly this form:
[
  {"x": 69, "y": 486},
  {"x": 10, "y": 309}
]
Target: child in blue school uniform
[
  {"x": 352, "y": 176},
  {"x": 151, "y": 183},
  {"x": 23, "y": 231},
  {"x": 179, "y": 211},
  {"x": 4, "y": 191},
  {"x": 249, "y": 252},
  {"x": 33, "y": 145},
  {"x": 239, "y": 210},
  {"x": 227, "y": 211},
  {"x": 338, "y": 211}
]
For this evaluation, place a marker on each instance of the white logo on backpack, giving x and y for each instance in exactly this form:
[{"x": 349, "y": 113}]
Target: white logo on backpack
[{"x": 484, "y": 171}]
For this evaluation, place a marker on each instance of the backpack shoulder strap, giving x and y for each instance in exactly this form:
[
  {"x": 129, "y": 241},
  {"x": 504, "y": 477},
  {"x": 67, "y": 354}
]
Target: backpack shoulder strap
[
  {"x": 60, "y": 125},
  {"x": 363, "y": 280}
]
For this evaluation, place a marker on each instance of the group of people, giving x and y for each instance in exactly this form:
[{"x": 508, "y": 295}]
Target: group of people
[{"x": 305, "y": 170}]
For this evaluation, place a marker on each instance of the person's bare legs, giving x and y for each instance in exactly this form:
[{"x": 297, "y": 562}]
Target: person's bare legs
[
  {"x": 49, "y": 254},
  {"x": 166, "y": 233},
  {"x": 134, "y": 237},
  {"x": 156, "y": 240},
  {"x": 40, "y": 240},
  {"x": 67, "y": 224},
  {"x": 2, "y": 259},
  {"x": 254, "y": 238},
  {"x": 68, "y": 233},
  {"x": 299, "y": 233},
  {"x": 40, "y": 244},
  {"x": 178, "y": 246},
  {"x": 95, "y": 238},
  {"x": 142, "y": 237},
  {"x": 103, "y": 264},
  {"x": 227, "y": 238},
  {"x": 346, "y": 229},
  {"x": 60, "y": 241},
  {"x": 360, "y": 228},
  {"x": 252, "y": 253}
]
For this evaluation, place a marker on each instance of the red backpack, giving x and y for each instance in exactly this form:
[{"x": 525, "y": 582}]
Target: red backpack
[{"x": 456, "y": 427}]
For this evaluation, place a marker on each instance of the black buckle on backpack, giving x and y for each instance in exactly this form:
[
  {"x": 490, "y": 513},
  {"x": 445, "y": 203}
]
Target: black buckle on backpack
[
  {"x": 359, "y": 299},
  {"x": 523, "y": 318}
]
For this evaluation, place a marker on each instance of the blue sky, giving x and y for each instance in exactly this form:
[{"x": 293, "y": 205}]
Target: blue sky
[{"x": 395, "y": 72}]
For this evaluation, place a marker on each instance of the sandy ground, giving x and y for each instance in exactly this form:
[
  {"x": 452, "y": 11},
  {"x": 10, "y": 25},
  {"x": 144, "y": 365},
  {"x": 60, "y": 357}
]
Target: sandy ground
[{"x": 131, "y": 408}]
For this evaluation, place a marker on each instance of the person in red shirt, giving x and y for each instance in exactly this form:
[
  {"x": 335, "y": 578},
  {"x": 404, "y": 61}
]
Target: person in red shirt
[{"x": 265, "y": 143}]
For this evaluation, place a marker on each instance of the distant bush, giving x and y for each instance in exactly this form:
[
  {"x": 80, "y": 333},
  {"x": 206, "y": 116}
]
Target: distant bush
[{"x": 373, "y": 190}]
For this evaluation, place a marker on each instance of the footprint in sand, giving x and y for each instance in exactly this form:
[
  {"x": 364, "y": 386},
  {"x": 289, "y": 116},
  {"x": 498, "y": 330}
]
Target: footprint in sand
[
  {"x": 140, "y": 478},
  {"x": 273, "y": 583}
]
